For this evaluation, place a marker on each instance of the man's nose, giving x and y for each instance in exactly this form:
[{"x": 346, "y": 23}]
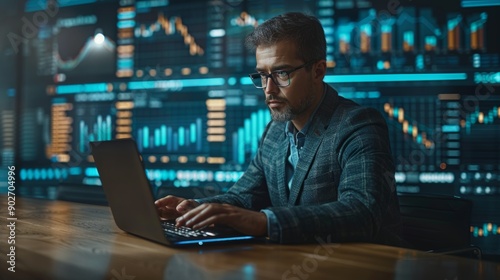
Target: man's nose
[{"x": 271, "y": 87}]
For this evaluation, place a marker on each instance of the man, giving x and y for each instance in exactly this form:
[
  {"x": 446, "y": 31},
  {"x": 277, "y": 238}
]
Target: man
[{"x": 323, "y": 168}]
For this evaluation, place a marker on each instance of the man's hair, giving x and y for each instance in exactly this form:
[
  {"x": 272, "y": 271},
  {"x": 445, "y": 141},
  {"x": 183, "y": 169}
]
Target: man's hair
[{"x": 303, "y": 30}]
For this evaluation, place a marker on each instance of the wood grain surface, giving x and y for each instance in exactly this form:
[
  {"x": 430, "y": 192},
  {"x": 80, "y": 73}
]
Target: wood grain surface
[{"x": 64, "y": 240}]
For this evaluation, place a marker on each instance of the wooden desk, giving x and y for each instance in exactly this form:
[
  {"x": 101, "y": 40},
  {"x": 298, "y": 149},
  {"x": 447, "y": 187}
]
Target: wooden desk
[{"x": 62, "y": 240}]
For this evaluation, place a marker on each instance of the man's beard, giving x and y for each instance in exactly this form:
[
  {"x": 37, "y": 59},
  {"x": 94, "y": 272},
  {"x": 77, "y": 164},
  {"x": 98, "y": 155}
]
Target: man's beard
[
  {"x": 283, "y": 116},
  {"x": 288, "y": 113}
]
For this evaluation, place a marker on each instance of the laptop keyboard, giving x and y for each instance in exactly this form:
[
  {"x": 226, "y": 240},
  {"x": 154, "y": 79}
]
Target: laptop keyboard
[{"x": 170, "y": 228}]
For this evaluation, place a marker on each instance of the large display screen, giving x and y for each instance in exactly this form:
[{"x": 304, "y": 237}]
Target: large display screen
[{"x": 174, "y": 76}]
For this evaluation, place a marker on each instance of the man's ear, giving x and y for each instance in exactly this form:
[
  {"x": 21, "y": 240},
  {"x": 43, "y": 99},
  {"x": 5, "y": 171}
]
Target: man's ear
[{"x": 319, "y": 69}]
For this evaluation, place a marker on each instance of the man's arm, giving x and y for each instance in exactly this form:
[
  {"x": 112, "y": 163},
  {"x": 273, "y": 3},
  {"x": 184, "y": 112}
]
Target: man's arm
[
  {"x": 243, "y": 220},
  {"x": 237, "y": 208},
  {"x": 250, "y": 191}
]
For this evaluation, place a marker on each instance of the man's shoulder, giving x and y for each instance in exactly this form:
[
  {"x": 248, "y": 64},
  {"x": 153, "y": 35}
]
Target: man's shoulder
[
  {"x": 348, "y": 110},
  {"x": 337, "y": 108},
  {"x": 350, "y": 117}
]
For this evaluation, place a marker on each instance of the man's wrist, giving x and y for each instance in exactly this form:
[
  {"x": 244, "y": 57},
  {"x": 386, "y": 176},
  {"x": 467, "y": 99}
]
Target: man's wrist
[
  {"x": 263, "y": 225},
  {"x": 273, "y": 232}
]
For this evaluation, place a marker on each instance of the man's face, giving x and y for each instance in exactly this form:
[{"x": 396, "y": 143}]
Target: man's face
[{"x": 291, "y": 102}]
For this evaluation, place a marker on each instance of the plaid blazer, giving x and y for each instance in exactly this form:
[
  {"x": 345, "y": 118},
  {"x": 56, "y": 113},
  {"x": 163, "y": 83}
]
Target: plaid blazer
[{"x": 343, "y": 187}]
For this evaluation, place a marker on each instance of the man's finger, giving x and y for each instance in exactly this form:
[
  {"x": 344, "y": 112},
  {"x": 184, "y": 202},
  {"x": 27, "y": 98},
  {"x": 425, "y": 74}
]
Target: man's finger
[
  {"x": 199, "y": 214},
  {"x": 181, "y": 221},
  {"x": 167, "y": 214},
  {"x": 186, "y": 205},
  {"x": 168, "y": 201}
]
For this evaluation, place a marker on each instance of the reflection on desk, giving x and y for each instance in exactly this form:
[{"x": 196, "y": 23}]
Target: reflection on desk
[{"x": 63, "y": 240}]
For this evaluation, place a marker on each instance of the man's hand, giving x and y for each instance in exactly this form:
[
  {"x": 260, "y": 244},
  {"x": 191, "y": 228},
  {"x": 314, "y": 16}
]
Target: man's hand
[
  {"x": 244, "y": 221},
  {"x": 171, "y": 207}
]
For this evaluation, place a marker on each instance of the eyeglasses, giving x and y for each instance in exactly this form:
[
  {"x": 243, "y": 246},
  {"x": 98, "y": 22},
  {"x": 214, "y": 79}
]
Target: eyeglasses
[{"x": 281, "y": 78}]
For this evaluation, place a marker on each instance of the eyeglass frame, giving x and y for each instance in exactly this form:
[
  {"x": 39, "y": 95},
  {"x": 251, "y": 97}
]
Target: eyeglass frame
[{"x": 270, "y": 75}]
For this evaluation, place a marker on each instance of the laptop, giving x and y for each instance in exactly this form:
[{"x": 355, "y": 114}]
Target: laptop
[{"x": 131, "y": 199}]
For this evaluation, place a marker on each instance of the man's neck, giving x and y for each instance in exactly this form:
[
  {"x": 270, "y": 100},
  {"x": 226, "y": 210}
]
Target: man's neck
[{"x": 301, "y": 121}]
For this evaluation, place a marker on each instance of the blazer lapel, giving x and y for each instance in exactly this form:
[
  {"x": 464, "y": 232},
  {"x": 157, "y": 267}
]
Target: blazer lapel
[
  {"x": 281, "y": 159},
  {"x": 313, "y": 140}
]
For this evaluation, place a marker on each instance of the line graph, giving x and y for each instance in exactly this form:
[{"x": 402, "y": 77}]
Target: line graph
[
  {"x": 170, "y": 26},
  {"x": 415, "y": 131},
  {"x": 480, "y": 134},
  {"x": 81, "y": 44},
  {"x": 97, "y": 45},
  {"x": 171, "y": 42},
  {"x": 486, "y": 117}
]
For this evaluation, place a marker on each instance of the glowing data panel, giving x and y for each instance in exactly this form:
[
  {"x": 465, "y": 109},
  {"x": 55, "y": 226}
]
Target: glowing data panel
[
  {"x": 173, "y": 75},
  {"x": 171, "y": 40},
  {"x": 77, "y": 43},
  {"x": 480, "y": 123}
]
